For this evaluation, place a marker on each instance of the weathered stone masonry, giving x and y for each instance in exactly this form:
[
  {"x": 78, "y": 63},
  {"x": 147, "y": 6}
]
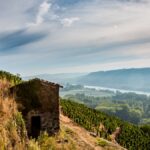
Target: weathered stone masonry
[{"x": 38, "y": 100}]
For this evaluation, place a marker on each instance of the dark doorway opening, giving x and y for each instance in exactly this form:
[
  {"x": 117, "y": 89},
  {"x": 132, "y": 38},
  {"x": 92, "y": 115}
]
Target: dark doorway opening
[{"x": 35, "y": 126}]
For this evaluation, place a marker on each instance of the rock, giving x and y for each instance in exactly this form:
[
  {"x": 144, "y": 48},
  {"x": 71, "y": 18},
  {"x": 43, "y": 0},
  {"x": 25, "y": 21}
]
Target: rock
[{"x": 93, "y": 134}]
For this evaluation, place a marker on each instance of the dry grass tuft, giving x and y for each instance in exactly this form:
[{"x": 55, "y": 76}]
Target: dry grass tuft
[
  {"x": 4, "y": 85},
  {"x": 12, "y": 127}
]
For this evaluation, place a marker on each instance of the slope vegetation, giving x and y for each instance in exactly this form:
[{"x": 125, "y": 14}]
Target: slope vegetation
[
  {"x": 130, "y": 136},
  {"x": 12, "y": 128},
  {"x": 12, "y": 79},
  {"x": 84, "y": 139}
]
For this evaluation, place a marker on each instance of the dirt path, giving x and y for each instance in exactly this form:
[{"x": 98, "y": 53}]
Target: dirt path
[{"x": 82, "y": 134}]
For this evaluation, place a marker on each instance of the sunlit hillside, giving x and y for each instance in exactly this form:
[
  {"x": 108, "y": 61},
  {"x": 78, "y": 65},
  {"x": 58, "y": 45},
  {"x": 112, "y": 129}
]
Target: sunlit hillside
[{"x": 71, "y": 136}]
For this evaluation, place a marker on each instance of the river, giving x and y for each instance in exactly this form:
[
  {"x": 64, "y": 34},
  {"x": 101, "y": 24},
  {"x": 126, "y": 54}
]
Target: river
[{"x": 115, "y": 90}]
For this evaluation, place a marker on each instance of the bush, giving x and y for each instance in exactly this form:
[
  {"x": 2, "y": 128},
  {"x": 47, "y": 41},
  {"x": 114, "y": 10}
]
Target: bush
[{"x": 101, "y": 142}]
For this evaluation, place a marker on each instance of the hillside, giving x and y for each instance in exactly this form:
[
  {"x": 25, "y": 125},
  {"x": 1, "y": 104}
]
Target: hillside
[
  {"x": 70, "y": 137},
  {"x": 126, "y": 134},
  {"x": 11, "y": 78},
  {"x": 84, "y": 139},
  {"x": 80, "y": 128},
  {"x": 12, "y": 127},
  {"x": 13, "y": 133},
  {"x": 129, "y": 79}
]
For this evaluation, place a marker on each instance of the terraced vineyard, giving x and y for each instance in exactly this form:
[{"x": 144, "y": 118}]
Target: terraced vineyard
[{"x": 131, "y": 136}]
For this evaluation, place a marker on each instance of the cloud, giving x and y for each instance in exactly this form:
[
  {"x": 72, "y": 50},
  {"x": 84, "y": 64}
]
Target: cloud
[
  {"x": 67, "y": 22},
  {"x": 44, "y": 7},
  {"x": 43, "y": 10},
  {"x": 79, "y": 33},
  {"x": 15, "y": 39},
  {"x": 66, "y": 3}
]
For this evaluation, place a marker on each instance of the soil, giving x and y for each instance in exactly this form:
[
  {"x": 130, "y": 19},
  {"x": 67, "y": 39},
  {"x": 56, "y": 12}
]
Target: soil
[{"x": 84, "y": 139}]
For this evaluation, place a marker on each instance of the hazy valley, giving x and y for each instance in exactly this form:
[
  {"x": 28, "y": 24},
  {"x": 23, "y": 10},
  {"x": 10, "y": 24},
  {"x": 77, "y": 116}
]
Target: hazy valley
[
  {"x": 132, "y": 111},
  {"x": 123, "y": 79}
]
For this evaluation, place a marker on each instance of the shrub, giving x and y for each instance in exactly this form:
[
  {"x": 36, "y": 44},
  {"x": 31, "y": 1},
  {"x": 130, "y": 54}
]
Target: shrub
[{"x": 101, "y": 142}]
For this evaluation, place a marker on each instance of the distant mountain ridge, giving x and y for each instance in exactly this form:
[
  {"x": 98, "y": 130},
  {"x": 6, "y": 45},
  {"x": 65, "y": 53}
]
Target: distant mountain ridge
[
  {"x": 128, "y": 79},
  {"x": 136, "y": 79},
  {"x": 61, "y": 78}
]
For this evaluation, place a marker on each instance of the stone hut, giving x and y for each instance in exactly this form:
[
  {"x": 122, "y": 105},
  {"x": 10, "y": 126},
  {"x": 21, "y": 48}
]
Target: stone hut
[{"x": 38, "y": 100}]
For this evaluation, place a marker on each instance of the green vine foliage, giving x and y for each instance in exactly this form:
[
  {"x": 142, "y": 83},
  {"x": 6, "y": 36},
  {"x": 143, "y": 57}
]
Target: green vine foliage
[{"x": 131, "y": 136}]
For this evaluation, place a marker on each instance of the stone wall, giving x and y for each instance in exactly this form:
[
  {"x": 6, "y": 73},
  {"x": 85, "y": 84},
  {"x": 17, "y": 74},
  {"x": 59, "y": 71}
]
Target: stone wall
[
  {"x": 49, "y": 122},
  {"x": 39, "y": 98}
]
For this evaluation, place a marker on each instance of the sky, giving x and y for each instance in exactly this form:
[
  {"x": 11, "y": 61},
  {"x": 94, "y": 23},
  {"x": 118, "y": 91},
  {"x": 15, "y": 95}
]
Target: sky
[{"x": 64, "y": 36}]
